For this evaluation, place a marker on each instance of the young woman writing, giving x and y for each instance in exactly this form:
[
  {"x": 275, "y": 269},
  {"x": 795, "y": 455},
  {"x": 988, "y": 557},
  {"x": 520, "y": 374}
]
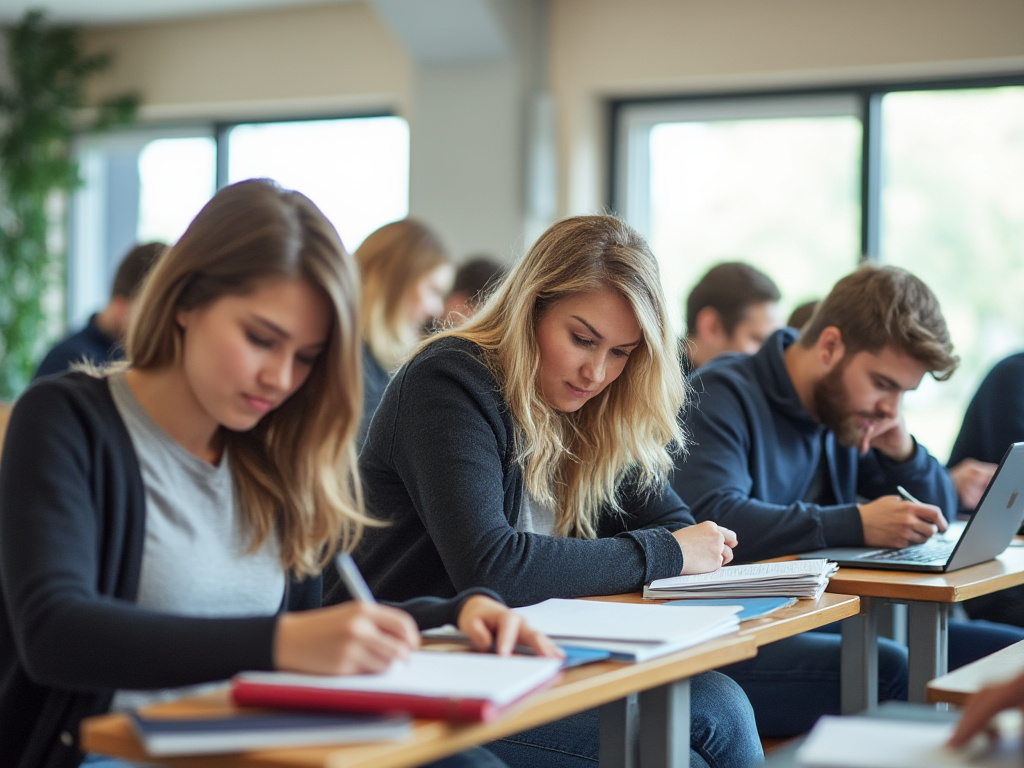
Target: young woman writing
[
  {"x": 163, "y": 524},
  {"x": 528, "y": 452}
]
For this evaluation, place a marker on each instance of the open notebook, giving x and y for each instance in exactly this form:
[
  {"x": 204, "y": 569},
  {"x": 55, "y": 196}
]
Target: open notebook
[
  {"x": 630, "y": 631},
  {"x": 451, "y": 686}
]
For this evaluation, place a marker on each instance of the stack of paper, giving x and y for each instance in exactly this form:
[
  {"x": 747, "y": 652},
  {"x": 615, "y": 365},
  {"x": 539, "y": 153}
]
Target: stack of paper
[
  {"x": 792, "y": 578},
  {"x": 630, "y": 631}
]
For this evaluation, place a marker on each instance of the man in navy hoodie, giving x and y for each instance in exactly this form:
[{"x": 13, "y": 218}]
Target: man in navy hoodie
[{"x": 802, "y": 446}]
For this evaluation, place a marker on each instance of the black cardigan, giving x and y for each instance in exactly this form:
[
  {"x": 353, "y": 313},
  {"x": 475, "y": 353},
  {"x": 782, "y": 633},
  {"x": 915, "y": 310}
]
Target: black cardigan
[
  {"x": 72, "y": 524},
  {"x": 439, "y": 465}
]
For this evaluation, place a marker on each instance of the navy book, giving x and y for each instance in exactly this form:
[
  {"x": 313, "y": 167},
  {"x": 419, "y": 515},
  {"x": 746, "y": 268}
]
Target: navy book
[{"x": 162, "y": 736}]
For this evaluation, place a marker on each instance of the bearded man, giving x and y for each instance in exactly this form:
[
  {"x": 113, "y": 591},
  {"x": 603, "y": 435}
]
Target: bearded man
[{"x": 802, "y": 446}]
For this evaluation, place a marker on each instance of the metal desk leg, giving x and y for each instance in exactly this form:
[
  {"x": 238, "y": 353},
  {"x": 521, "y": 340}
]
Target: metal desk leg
[
  {"x": 859, "y": 667},
  {"x": 928, "y": 645},
  {"x": 665, "y": 726},
  {"x": 619, "y": 738}
]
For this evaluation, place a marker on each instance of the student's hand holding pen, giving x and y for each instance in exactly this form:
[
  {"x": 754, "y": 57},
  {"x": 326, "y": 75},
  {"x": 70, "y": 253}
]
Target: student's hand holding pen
[
  {"x": 489, "y": 624},
  {"x": 356, "y": 637},
  {"x": 900, "y": 521},
  {"x": 347, "y": 639}
]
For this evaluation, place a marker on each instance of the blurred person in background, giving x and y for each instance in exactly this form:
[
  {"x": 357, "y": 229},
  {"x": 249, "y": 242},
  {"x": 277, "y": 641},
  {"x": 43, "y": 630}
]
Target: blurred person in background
[
  {"x": 732, "y": 308},
  {"x": 102, "y": 339},
  {"x": 406, "y": 273},
  {"x": 474, "y": 281}
]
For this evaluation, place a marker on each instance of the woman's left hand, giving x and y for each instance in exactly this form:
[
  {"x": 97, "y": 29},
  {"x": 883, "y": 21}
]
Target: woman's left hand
[{"x": 489, "y": 625}]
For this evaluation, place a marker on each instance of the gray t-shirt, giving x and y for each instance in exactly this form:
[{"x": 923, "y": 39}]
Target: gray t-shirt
[
  {"x": 194, "y": 560},
  {"x": 534, "y": 516}
]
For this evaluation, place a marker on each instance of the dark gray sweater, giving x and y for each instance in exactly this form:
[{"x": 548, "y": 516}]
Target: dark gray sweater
[{"x": 439, "y": 465}]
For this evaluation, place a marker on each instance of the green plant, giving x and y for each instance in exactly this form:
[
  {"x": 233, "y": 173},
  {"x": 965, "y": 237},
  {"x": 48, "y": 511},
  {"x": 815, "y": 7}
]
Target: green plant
[{"x": 40, "y": 109}]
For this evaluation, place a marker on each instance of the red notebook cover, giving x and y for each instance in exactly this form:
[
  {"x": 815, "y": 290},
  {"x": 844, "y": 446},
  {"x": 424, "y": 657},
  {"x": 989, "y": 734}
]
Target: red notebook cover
[
  {"x": 467, "y": 687},
  {"x": 249, "y": 693}
]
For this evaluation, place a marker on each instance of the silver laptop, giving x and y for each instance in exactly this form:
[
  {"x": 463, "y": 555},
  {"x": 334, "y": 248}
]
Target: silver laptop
[{"x": 986, "y": 534}]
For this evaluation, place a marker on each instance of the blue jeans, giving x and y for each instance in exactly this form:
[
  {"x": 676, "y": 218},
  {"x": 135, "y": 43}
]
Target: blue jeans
[
  {"x": 792, "y": 682},
  {"x": 971, "y": 640},
  {"x": 722, "y": 733}
]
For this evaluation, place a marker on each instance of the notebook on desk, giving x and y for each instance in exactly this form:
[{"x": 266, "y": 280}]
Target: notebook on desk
[{"x": 986, "y": 534}]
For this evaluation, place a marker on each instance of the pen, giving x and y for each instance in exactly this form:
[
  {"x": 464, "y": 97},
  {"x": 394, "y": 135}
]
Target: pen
[
  {"x": 907, "y": 495},
  {"x": 352, "y": 578}
]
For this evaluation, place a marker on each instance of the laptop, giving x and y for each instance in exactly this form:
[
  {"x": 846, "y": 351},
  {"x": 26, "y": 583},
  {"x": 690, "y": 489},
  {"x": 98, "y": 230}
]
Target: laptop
[{"x": 986, "y": 534}]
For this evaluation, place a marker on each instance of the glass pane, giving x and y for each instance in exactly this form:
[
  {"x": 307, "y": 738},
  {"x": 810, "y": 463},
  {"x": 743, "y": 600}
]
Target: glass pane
[
  {"x": 781, "y": 194},
  {"x": 355, "y": 170},
  {"x": 177, "y": 177},
  {"x": 953, "y": 214}
]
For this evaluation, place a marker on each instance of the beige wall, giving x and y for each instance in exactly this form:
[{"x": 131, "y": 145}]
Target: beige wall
[
  {"x": 341, "y": 57},
  {"x": 316, "y": 59},
  {"x": 607, "y": 48}
]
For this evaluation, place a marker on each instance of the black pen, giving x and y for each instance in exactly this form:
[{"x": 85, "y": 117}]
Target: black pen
[{"x": 352, "y": 578}]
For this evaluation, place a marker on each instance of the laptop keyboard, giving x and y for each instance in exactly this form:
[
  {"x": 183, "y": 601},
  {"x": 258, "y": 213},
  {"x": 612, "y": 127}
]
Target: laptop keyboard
[{"x": 919, "y": 553}]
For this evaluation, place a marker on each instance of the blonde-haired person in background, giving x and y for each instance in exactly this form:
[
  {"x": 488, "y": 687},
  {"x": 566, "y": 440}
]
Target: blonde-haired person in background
[
  {"x": 528, "y": 451},
  {"x": 406, "y": 274},
  {"x": 163, "y": 523}
]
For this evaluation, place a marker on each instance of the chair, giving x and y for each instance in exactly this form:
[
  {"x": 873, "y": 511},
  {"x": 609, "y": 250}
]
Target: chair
[{"x": 5, "y": 415}]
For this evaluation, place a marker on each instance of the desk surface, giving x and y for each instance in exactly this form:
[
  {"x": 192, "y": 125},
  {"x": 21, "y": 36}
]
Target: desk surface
[
  {"x": 579, "y": 689},
  {"x": 958, "y": 686},
  {"x": 1007, "y": 570},
  {"x": 785, "y": 622}
]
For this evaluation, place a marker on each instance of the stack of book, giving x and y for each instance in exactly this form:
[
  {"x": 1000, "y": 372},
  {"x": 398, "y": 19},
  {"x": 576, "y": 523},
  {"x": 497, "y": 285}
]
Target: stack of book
[{"x": 792, "y": 578}]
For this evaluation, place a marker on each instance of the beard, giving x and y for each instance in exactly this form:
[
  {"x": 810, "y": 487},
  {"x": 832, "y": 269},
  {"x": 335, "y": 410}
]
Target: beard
[{"x": 832, "y": 405}]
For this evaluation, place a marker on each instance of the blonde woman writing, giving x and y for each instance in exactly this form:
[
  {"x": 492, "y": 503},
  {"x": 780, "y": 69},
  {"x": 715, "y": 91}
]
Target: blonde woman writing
[{"x": 528, "y": 452}]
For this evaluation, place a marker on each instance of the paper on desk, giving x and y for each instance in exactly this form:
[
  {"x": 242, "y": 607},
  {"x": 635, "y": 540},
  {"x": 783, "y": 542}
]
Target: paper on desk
[
  {"x": 631, "y": 622},
  {"x": 792, "y": 578},
  {"x": 870, "y": 742},
  {"x": 630, "y": 631}
]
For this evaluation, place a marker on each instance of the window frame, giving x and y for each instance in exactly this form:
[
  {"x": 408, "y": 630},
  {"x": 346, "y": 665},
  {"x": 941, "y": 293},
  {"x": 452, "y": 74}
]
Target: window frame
[{"x": 627, "y": 192}]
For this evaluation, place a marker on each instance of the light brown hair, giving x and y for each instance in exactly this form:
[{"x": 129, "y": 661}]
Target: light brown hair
[
  {"x": 392, "y": 260},
  {"x": 882, "y": 306},
  {"x": 295, "y": 472}
]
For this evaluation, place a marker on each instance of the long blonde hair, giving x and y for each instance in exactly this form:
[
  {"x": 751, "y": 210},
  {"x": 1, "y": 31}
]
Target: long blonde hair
[
  {"x": 295, "y": 472},
  {"x": 392, "y": 260},
  {"x": 576, "y": 461}
]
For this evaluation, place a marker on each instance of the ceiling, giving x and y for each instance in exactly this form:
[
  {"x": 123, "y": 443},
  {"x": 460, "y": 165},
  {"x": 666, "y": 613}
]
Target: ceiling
[{"x": 99, "y": 12}]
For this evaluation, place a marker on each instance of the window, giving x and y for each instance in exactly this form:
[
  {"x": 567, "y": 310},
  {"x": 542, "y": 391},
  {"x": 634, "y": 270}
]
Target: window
[
  {"x": 953, "y": 213},
  {"x": 929, "y": 177},
  {"x": 148, "y": 184},
  {"x": 355, "y": 170},
  {"x": 772, "y": 184}
]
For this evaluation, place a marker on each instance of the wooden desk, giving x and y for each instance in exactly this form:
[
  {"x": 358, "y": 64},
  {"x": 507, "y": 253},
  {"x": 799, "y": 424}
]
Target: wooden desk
[
  {"x": 929, "y": 598},
  {"x": 662, "y": 686},
  {"x": 959, "y": 685}
]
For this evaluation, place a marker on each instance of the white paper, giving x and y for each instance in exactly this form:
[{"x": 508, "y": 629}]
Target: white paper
[
  {"x": 486, "y": 676},
  {"x": 632, "y": 622},
  {"x": 867, "y": 742}
]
